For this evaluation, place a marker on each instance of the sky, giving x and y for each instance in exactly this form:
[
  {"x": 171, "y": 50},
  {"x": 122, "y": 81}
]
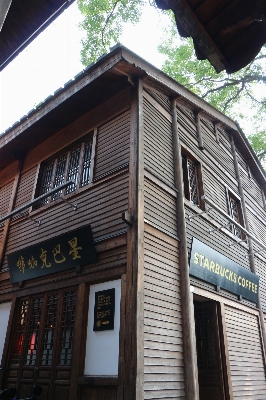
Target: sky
[{"x": 53, "y": 58}]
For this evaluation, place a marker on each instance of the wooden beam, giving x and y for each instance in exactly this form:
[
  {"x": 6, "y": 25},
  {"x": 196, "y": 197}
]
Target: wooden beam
[
  {"x": 188, "y": 325},
  {"x": 10, "y": 208}
]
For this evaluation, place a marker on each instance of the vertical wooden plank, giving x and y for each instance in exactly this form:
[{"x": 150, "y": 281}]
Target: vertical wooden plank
[
  {"x": 77, "y": 342},
  {"x": 122, "y": 338},
  {"x": 188, "y": 325},
  {"x": 10, "y": 208},
  {"x": 130, "y": 343},
  {"x": 225, "y": 353},
  {"x": 199, "y": 131},
  {"x": 140, "y": 250}
]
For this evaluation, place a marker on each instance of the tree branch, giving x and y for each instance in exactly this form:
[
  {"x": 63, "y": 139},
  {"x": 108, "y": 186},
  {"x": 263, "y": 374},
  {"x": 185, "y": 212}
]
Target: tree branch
[{"x": 108, "y": 19}]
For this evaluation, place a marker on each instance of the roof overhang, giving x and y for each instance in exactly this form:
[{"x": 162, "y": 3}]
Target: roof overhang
[
  {"x": 22, "y": 21},
  {"x": 229, "y": 34}
]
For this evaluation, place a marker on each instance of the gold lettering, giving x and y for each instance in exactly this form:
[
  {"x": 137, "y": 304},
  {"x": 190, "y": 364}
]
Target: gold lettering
[
  {"x": 196, "y": 258},
  {"x": 222, "y": 271},
  {"x": 212, "y": 266},
  {"x": 239, "y": 280},
  {"x": 57, "y": 252},
  {"x": 256, "y": 288},
  {"x": 74, "y": 248},
  {"x": 43, "y": 257},
  {"x": 217, "y": 269},
  {"x": 226, "y": 271},
  {"x": 21, "y": 264},
  {"x": 253, "y": 287},
  {"x": 32, "y": 262},
  {"x": 230, "y": 276},
  {"x": 243, "y": 282},
  {"x": 206, "y": 263},
  {"x": 235, "y": 276},
  {"x": 249, "y": 285}
]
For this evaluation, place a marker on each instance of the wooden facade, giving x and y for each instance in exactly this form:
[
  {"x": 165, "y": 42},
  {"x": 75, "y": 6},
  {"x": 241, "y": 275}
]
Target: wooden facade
[{"x": 154, "y": 150}]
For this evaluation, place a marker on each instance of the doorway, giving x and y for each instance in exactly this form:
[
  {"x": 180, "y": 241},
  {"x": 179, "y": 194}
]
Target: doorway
[{"x": 209, "y": 355}]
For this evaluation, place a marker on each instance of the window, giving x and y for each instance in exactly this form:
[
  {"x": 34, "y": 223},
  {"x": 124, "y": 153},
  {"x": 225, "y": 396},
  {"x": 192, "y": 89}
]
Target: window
[
  {"x": 235, "y": 212},
  {"x": 192, "y": 179},
  {"x": 72, "y": 165}
]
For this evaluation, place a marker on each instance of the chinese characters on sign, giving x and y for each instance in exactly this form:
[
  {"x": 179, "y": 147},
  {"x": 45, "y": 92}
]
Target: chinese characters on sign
[
  {"x": 104, "y": 310},
  {"x": 60, "y": 253}
]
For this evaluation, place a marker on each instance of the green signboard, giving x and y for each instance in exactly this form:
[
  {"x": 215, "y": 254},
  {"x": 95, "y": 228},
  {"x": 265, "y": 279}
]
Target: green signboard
[
  {"x": 54, "y": 255},
  {"x": 211, "y": 266}
]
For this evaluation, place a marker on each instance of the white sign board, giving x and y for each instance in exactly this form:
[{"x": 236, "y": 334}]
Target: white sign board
[
  {"x": 4, "y": 317},
  {"x": 102, "y": 347}
]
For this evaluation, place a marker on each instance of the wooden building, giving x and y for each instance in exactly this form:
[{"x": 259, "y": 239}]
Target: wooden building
[{"x": 140, "y": 273}]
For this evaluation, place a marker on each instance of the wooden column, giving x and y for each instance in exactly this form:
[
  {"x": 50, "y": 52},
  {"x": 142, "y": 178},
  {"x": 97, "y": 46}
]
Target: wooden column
[
  {"x": 134, "y": 340},
  {"x": 199, "y": 130},
  {"x": 10, "y": 208},
  {"x": 188, "y": 325},
  {"x": 250, "y": 244}
]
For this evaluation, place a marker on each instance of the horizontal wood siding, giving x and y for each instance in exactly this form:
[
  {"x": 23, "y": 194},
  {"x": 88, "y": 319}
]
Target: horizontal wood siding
[
  {"x": 261, "y": 272},
  {"x": 5, "y": 196},
  {"x": 215, "y": 192},
  {"x": 159, "y": 207},
  {"x": 160, "y": 98},
  {"x": 101, "y": 206},
  {"x": 257, "y": 226},
  {"x": 26, "y": 187},
  {"x": 221, "y": 150},
  {"x": 163, "y": 352},
  {"x": 112, "y": 149},
  {"x": 251, "y": 188},
  {"x": 158, "y": 146},
  {"x": 245, "y": 354},
  {"x": 216, "y": 156}
]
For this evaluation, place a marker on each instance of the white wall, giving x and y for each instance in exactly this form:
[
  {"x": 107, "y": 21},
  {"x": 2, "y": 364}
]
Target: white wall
[
  {"x": 102, "y": 348},
  {"x": 4, "y": 316}
]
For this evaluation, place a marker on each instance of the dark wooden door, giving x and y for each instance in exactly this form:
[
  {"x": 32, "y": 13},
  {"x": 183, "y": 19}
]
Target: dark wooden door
[
  {"x": 210, "y": 369},
  {"x": 41, "y": 348}
]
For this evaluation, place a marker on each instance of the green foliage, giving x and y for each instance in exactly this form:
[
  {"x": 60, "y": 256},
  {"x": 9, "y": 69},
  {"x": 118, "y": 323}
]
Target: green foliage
[
  {"x": 235, "y": 94},
  {"x": 102, "y": 23}
]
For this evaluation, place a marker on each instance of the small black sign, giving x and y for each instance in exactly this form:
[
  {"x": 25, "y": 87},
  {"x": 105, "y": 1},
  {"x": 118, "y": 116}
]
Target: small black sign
[
  {"x": 54, "y": 255},
  {"x": 104, "y": 310},
  {"x": 211, "y": 266}
]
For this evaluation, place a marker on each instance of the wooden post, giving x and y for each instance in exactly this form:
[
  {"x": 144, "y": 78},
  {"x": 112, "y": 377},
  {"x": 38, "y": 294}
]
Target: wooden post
[
  {"x": 10, "y": 208},
  {"x": 201, "y": 145},
  {"x": 250, "y": 244},
  {"x": 188, "y": 325},
  {"x": 134, "y": 341}
]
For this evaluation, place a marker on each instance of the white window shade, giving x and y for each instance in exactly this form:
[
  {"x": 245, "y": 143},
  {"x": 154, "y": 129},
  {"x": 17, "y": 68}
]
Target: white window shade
[{"x": 4, "y": 317}]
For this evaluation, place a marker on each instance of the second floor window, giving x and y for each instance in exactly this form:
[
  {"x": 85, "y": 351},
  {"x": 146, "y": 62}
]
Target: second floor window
[
  {"x": 235, "y": 213},
  {"x": 73, "y": 165},
  {"x": 192, "y": 180}
]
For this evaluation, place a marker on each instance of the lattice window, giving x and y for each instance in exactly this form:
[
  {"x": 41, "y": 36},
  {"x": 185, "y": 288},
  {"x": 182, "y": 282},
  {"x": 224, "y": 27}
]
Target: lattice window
[
  {"x": 191, "y": 179},
  {"x": 19, "y": 336},
  {"x": 67, "y": 328},
  {"x": 235, "y": 213},
  {"x": 74, "y": 165},
  {"x": 33, "y": 335},
  {"x": 49, "y": 330}
]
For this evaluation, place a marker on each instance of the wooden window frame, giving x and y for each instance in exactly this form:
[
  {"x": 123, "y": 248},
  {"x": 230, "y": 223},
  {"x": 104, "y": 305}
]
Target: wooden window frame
[
  {"x": 186, "y": 157},
  {"x": 235, "y": 231},
  {"x": 81, "y": 166}
]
